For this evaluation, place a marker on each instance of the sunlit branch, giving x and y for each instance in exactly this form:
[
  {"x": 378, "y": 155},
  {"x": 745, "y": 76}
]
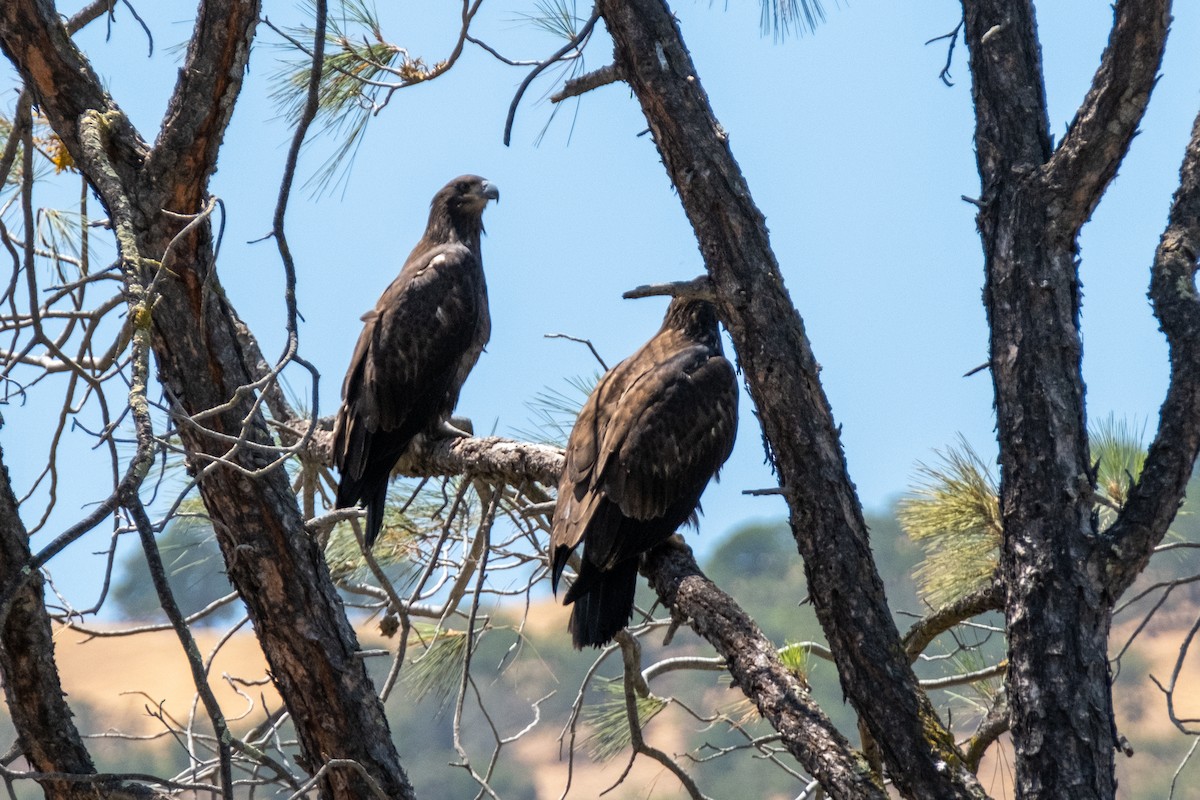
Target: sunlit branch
[
  {"x": 576, "y": 87},
  {"x": 576, "y": 43}
]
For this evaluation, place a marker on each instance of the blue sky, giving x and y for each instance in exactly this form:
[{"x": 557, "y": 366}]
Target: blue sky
[{"x": 854, "y": 150}]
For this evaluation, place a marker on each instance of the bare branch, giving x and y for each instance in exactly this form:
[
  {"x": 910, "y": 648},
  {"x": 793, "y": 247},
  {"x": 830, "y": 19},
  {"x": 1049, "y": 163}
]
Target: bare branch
[
  {"x": 635, "y": 686},
  {"x": 575, "y": 43},
  {"x": 966, "y": 678},
  {"x": 755, "y": 668},
  {"x": 586, "y": 83},
  {"x": 994, "y": 724},
  {"x": 700, "y": 288},
  {"x": 1086, "y": 160},
  {"x": 919, "y": 636},
  {"x": 166, "y": 598},
  {"x": 1153, "y": 502}
]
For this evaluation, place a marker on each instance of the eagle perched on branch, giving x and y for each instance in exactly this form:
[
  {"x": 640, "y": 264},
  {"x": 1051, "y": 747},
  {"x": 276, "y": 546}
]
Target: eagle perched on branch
[
  {"x": 652, "y": 433},
  {"x": 415, "y": 350}
]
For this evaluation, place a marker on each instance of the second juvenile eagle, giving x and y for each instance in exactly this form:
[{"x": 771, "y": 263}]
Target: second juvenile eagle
[
  {"x": 653, "y": 432},
  {"x": 415, "y": 350}
]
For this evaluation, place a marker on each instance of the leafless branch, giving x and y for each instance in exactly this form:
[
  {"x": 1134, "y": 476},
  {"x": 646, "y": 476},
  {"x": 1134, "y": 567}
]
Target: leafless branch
[
  {"x": 635, "y": 686},
  {"x": 576, "y": 42},
  {"x": 577, "y": 87}
]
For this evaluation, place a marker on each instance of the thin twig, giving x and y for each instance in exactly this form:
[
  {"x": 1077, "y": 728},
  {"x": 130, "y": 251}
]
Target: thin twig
[{"x": 574, "y": 43}]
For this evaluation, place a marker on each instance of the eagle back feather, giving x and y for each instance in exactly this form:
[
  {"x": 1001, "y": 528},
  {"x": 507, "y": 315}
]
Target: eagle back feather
[
  {"x": 652, "y": 433},
  {"x": 414, "y": 353},
  {"x": 416, "y": 348}
]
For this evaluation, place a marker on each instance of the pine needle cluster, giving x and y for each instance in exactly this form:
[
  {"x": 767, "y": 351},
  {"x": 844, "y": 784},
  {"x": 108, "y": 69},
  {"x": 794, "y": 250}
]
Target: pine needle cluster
[
  {"x": 433, "y": 667},
  {"x": 1118, "y": 454},
  {"x": 782, "y": 17},
  {"x": 954, "y": 510},
  {"x": 360, "y": 70},
  {"x": 554, "y": 411},
  {"x": 609, "y": 721},
  {"x": 954, "y": 514}
]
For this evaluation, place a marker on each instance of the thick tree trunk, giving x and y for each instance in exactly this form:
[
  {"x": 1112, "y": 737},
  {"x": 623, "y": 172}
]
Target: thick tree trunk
[
  {"x": 277, "y": 568},
  {"x": 1035, "y": 199},
  {"x": 46, "y": 731},
  {"x": 782, "y": 375}
]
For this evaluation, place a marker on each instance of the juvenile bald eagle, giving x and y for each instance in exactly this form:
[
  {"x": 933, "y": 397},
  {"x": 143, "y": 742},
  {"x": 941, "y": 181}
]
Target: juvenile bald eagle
[
  {"x": 415, "y": 350},
  {"x": 652, "y": 433}
]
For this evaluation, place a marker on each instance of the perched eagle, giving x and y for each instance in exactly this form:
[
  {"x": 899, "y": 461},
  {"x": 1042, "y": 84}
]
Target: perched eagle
[
  {"x": 652, "y": 433},
  {"x": 415, "y": 350}
]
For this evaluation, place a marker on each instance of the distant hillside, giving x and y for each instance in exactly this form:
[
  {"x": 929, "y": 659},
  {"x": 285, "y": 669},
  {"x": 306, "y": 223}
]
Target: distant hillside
[{"x": 127, "y": 686}]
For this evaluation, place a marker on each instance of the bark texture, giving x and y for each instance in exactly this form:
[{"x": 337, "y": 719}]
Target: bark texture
[
  {"x": 782, "y": 375},
  {"x": 278, "y": 570},
  {"x": 46, "y": 731},
  {"x": 1035, "y": 200},
  {"x": 753, "y": 663},
  {"x": 1172, "y": 456}
]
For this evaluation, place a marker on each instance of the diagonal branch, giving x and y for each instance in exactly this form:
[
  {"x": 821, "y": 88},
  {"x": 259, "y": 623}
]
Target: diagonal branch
[
  {"x": 782, "y": 375},
  {"x": 1088, "y": 156},
  {"x": 61, "y": 78},
  {"x": 754, "y": 665},
  {"x": 203, "y": 101},
  {"x": 1153, "y": 502},
  {"x": 50, "y": 741},
  {"x": 925, "y": 630}
]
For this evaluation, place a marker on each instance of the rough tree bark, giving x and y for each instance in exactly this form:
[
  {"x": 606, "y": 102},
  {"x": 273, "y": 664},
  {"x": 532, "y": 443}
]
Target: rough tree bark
[
  {"x": 1054, "y": 560},
  {"x": 45, "y": 729},
  {"x": 782, "y": 375},
  {"x": 278, "y": 570},
  {"x": 1060, "y": 574}
]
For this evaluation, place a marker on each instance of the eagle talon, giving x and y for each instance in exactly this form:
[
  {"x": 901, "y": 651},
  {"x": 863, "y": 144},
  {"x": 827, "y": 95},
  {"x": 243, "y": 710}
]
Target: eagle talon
[{"x": 447, "y": 429}]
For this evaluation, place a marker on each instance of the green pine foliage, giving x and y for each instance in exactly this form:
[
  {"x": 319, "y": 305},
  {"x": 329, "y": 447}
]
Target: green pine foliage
[
  {"x": 433, "y": 664},
  {"x": 360, "y": 70},
  {"x": 1118, "y": 454},
  {"x": 553, "y": 411},
  {"x": 609, "y": 720},
  {"x": 953, "y": 512},
  {"x": 782, "y": 17}
]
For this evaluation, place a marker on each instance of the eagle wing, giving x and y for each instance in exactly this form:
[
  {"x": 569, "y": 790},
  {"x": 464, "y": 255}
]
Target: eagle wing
[
  {"x": 414, "y": 352},
  {"x": 675, "y": 429},
  {"x": 645, "y": 444}
]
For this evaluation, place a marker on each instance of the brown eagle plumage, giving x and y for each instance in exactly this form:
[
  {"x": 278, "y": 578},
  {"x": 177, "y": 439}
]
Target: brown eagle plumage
[
  {"x": 415, "y": 350},
  {"x": 653, "y": 432}
]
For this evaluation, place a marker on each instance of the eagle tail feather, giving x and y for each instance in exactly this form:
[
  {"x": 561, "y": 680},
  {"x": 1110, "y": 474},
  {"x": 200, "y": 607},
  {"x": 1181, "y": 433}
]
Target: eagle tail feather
[
  {"x": 376, "y": 501},
  {"x": 606, "y": 608}
]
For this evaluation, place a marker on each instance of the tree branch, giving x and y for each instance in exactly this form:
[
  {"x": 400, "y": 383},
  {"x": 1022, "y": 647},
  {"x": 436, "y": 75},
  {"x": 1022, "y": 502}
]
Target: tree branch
[
  {"x": 782, "y": 375},
  {"x": 925, "y": 630},
  {"x": 1096, "y": 142},
  {"x": 587, "y": 82},
  {"x": 45, "y": 728},
  {"x": 185, "y": 153},
  {"x": 756, "y": 669},
  {"x": 1154, "y": 501},
  {"x": 1052, "y": 555},
  {"x": 61, "y": 78}
]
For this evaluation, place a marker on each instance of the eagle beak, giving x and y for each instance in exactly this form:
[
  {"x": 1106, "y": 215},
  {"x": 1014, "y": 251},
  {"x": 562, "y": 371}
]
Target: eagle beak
[{"x": 490, "y": 191}]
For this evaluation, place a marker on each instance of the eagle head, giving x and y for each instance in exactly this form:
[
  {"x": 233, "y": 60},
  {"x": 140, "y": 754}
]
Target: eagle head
[
  {"x": 457, "y": 210},
  {"x": 466, "y": 195},
  {"x": 697, "y": 319}
]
